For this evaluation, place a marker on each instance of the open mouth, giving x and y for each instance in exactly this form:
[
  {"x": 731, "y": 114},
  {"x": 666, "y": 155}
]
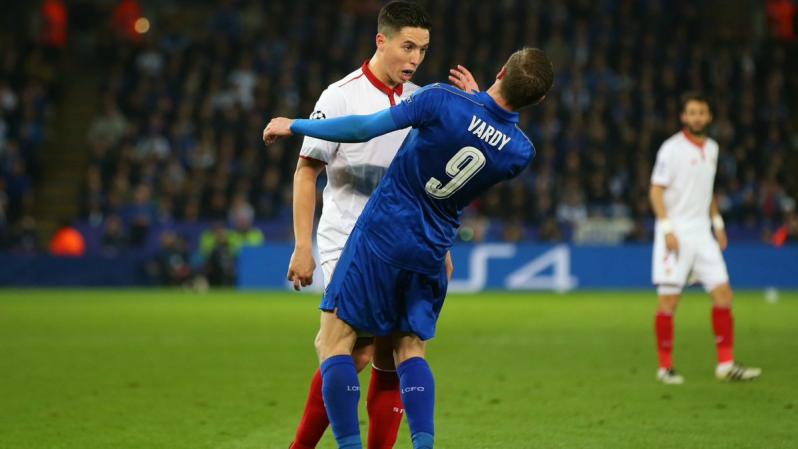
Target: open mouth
[{"x": 407, "y": 74}]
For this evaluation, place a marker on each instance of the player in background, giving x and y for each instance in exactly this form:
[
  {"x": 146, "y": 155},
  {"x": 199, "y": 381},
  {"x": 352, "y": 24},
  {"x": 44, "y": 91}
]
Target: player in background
[
  {"x": 683, "y": 201},
  {"x": 353, "y": 172},
  {"x": 461, "y": 145}
]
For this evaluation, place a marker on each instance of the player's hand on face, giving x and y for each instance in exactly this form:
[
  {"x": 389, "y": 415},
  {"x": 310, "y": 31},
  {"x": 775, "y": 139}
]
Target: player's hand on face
[
  {"x": 463, "y": 79},
  {"x": 301, "y": 268},
  {"x": 276, "y": 128},
  {"x": 671, "y": 242},
  {"x": 723, "y": 241}
]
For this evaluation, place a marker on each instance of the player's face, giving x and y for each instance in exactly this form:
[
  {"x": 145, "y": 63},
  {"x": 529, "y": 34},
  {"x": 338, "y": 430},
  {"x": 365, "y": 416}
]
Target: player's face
[
  {"x": 402, "y": 52},
  {"x": 696, "y": 117}
]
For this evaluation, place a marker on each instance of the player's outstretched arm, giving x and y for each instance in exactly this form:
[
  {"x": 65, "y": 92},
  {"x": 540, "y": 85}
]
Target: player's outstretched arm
[{"x": 349, "y": 128}]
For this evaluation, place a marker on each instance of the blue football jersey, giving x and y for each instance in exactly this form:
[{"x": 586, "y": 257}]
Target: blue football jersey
[{"x": 461, "y": 145}]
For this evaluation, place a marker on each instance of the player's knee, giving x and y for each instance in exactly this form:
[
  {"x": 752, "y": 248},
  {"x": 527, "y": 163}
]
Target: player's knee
[
  {"x": 408, "y": 347},
  {"x": 723, "y": 296},
  {"x": 362, "y": 356},
  {"x": 327, "y": 347},
  {"x": 668, "y": 303}
]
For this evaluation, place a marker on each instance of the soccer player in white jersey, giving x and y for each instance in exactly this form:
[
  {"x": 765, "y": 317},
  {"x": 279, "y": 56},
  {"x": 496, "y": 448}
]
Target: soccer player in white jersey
[
  {"x": 682, "y": 198},
  {"x": 353, "y": 172}
]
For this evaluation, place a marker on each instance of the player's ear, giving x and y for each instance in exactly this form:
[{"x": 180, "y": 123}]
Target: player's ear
[
  {"x": 502, "y": 72},
  {"x": 380, "y": 40}
]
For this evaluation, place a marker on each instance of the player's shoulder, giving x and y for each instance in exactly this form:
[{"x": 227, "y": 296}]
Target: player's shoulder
[
  {"x": 445, "y": 90},
  {"x": 336, "y": 93},
  {"x": 349, "y": 81},
  {"x": 674, "y": 141},
  {"x": 409, "y": 88},
  {"x": 526, "y": 147}
]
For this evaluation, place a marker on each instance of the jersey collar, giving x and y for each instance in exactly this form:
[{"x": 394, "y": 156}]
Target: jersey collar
[
  {"x": 379, "y": 84},
  {"x": 486, "y": 99},
  {"x": 693, "y": 140}
]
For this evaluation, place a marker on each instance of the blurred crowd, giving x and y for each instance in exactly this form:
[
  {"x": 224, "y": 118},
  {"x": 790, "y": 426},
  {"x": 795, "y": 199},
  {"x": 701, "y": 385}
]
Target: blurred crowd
[
  {"x": 179, "y": 136},
  {"x": 27, "y": 80},
  {"x": 186, "y": 95}
]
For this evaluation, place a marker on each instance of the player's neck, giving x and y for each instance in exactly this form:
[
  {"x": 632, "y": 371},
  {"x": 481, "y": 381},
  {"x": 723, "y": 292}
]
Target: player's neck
[
  {"x": 494, "y": 93},
  {"x": 698, "y": 138},
  {"x": 376, "y": 67}
]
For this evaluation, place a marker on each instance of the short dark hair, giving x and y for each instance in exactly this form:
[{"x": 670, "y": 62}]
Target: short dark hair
[
  {"x": 399, "y": 14},
  {"x": 694, "y": 96},
  {"x": 527, "y": 78}
]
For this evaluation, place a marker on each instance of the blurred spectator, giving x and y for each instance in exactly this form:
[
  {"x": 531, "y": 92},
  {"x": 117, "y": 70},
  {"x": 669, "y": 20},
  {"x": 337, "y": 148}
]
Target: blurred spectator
[
  {"x": 114, "y": 238},
  {"x": 109, "y": 127},
  {"x": 243, "y": 234},
  {"x": 550, "y": 232},
  {"x": 184, "y": 110},
  {"x": 781, "y": 15},
  {"x": 210, "y": 238},
  {"x": 54, "y": 24},
  {"x": 171, "y": 266},
  {"x": 220, "y": 266},
  {"x": 3, "y": 215},
  {"x": 67, "y": 242},
  {"x": 639, "y": 233},
  {"x": 788, "y": 232},
  {"x": 125, "y": 15},
  {"x": 25, "y": 237},
  {"x": 140, "y": 215}
]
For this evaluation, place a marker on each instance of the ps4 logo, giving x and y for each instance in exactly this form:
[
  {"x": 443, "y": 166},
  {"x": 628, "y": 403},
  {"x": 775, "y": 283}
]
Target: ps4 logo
[
  {"x": 497, "y": 265},
  {"x": 548, "y": 271}
]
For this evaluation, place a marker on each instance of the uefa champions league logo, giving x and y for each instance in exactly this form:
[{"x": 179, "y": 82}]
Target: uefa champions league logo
[{"x": 317, "y": 115}]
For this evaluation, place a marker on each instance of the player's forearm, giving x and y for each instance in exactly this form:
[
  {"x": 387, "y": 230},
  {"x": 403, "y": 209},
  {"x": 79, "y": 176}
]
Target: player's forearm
[
  {"x": 657, "y": 197},
  {"x": 350, "y": 128},
  {"x": 714, "y": 210},
  {"x": 715, "y": 215},
  {"x": 304, "y": 204}
]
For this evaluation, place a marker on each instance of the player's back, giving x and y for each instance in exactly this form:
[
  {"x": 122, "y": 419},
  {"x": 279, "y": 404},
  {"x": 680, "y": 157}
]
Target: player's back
[{"x": 461, "y": 145}]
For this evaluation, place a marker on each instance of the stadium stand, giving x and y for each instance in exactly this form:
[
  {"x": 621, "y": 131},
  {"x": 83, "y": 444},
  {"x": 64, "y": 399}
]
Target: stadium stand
[{"x": 175, "y": 143}]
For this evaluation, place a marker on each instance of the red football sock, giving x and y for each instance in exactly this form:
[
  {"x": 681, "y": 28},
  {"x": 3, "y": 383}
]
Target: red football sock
[
  {"x": 314, "y": 420},
  {"x": 723, "y": 325},
  {"x": 384, "y": 404},
  {"x": 663, "y": 326}
]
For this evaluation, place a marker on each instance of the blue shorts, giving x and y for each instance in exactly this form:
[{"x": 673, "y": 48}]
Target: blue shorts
[{"x": 374, "y": 296}]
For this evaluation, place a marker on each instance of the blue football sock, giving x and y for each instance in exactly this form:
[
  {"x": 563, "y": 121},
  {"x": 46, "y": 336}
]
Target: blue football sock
[
  {"x": 341, "y": 391},
  {"x": 418, "y": 396}
]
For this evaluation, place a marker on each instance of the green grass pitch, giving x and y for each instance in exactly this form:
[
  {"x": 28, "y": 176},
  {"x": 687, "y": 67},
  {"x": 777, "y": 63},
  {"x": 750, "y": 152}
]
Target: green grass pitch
[{"x": 226, "y": 370}]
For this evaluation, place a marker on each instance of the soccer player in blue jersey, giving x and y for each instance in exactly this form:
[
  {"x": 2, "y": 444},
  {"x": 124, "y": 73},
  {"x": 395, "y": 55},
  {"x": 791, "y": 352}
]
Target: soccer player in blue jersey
[{"x": 391, "y": 277}]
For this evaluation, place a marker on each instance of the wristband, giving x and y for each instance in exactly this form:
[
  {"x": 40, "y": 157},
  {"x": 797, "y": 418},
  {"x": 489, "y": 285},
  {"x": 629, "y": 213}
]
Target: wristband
[
  {"x": 717, "y": 223},
  {"x": 665, "y": 225}
]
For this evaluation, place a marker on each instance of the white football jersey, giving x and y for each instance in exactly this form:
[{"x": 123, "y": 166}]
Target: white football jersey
[
  {"x": 353, "y": 169},
  {"x": 687, "y": 171}
]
